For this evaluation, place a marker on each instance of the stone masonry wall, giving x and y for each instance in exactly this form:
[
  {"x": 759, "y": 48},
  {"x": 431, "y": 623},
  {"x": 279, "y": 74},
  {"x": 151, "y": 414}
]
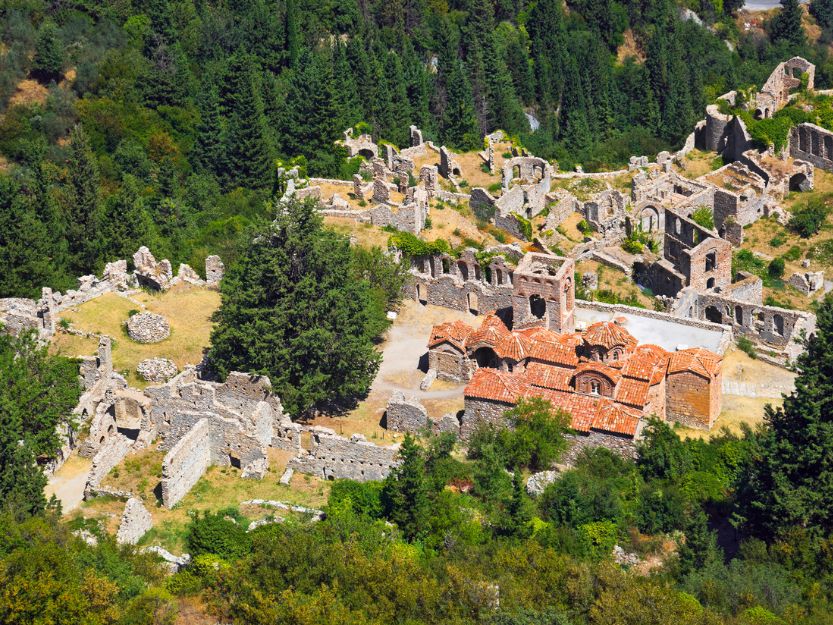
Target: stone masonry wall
[
  {"x": 333, "y": 457},
  {"x": 185, "y": 463}
]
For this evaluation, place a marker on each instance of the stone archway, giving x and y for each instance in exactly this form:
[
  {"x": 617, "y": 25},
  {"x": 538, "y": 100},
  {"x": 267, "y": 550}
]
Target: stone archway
[{"x": 713, "y": 314}]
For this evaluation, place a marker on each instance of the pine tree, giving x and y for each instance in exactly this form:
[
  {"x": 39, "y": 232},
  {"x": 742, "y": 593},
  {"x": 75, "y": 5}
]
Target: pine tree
[
  {"x": 549, "y": 51},
  {"x": 25, "y": 244},
  {"x": 400, "y": 110},
  {"x": 248, "y": 153},
  {"x": 822, "y": 10},
  {"x": 786, "y": 25},
  {"x": 292, "y": 309},
  {"x": 38, "y": 394},
  {"x": 311, "y": 117},
  {"x": 458, "y": 127},
  {"x": 346, "y": 93},
  {"x": 83, "y": 203},
  {"x": 789, "y": 479},
  {"x": 125, "y": 224},
  {"x": 405, "y": 492},
  {"x": 48, "y": 63},
  {"x": 209, "y": 149},
  {"x": 575, "y": 128},
  {"x": 518, "y": 514},
  {"x": 293, "y": 34}
]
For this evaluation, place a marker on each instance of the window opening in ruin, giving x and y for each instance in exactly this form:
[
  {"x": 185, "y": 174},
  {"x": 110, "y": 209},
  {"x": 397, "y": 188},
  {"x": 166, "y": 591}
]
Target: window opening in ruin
[
  {"x": 486, "y": 357},
  {"x": 759, "y": 321},
  {"x": 537, "y": 306},
  {"x": 487, "y": 274},
  {"x": 595, "y": 387},
  {"x": 739, "y": 315},
  {"x": 615, "y": 354},
  {"x": 498, "y": 277},
  {"x": 677, "y": 226},
  {"x": 235, "y": 462},
  {"x": 464, "y": 270},
  {"x": 798, "y": 182},
  {"x": 477, "y": 272},
  {"x": 101, "y": 442},
  {"x": 432, "y": 267},
  {"x": 446, "y": 265},
  {"x": 778, "y": 324},
  {"x": 422, "y": 294},
  {"x": 713, "y": 314},
  {"x": 472, "y": 304},
  {"x": 368, "y": 154},
  {"x": 710, "y": 283}
]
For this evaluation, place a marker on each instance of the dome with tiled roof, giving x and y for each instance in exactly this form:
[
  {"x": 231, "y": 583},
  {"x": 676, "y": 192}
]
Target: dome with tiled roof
[{"x": 608, "y": 335}]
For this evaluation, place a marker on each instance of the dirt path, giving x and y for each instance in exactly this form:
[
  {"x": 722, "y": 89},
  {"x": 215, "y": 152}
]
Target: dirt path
[{"x": 67, "y": 483}]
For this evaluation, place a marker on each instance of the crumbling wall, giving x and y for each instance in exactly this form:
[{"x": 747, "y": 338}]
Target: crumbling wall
[
  {"x": 405, "y": 415},
  {"x": 185, "y": 463},
  {"x": 135, "y": 522},
  {"x": 813, "y": 144},
  {"x": 333, "y": 457}
]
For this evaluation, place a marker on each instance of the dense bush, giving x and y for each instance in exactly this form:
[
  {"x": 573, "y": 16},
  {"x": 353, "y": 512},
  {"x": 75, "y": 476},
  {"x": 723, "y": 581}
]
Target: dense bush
[
  {"x": 807, "y": 220},
  {"x": 220, "y": 533}
]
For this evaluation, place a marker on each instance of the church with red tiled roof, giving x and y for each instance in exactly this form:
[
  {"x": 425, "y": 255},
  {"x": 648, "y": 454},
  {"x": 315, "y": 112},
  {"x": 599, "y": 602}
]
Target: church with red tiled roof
[{"x": 601, "y": 377}]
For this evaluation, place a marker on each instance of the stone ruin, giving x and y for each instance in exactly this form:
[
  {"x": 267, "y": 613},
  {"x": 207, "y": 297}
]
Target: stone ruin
[
  {"x": 808, "y": 282},
  {"x": 41, "y": 315},
  {"x": 156, "y": 369},
  {"x": 147, "y": 327},
  {"x": 135, "y": 522},
  {"x": 409, "y": 415}
]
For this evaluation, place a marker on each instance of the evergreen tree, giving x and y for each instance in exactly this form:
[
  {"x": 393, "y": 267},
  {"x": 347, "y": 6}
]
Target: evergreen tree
[
  {"x": 209, "y": 149},
  {"x": 83, "y": 203},
  {"x": 405, "y": 492},
  {"x": 518, "y": 514},
  {"x": 311, "y": 117},
  {"x": 48, "y": 63},
  {"x": 25, "y": 244},
  {"x": 293, "y": 34},
  {"x": 786, "y": 25},
  {"x": 37, "y": 395},
  {"x": 575, "y": 128},
  {"x": 822, "y": 10},
  {"x": 548, "y": 48},
  {"x": 125, "y": 224},
  {"x": 248, "y": 153},
  {"x": 789, "y": 479},
  {"x": 458, "y": 127},
  {"x": 400, "y": 110},
  {"x": 291, "y": 309},
  {"x": 347, "y": 96}
]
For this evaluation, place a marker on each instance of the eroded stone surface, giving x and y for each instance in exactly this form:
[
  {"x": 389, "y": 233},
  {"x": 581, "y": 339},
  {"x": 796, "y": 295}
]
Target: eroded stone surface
[
  {"x": 156, "y": 369},
  {"x": 135, "y": 522}
]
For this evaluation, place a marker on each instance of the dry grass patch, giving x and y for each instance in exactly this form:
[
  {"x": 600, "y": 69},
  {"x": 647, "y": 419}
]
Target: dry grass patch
[
  {"x": 698, "y": 163},
  {"x": 187, "y": 308},
  {"x": 366, "y": 235},
  {"x": 220, "y": 487},
  {"x": 28, "y": 93},
  {"x": 630, "y": 48},
  {"x": 614, "y": 280}
]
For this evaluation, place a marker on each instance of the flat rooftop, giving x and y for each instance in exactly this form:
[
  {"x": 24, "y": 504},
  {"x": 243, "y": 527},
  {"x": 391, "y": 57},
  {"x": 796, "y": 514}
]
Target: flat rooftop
[{"x": 667, "y": 333}]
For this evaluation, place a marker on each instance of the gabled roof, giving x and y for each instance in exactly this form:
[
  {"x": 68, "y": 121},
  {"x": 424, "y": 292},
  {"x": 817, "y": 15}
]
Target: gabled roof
[
  {"x": 612, "y": 417},
  {"x": 632, "y": 392},
  {"x": 495, "y": 385},
  {"x": 548, "y": 376},
  {"x": 513, "y": 346},
  {"x": 695, "y": 360},
  {"x": 454, "y": 332},
  {"x": 608, "y": 334}
]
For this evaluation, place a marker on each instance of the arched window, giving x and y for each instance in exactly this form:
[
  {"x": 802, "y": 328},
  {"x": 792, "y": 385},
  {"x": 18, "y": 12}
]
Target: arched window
[
  {"x": 537, "y": 306},
  {"x": 595, "y": 387}
]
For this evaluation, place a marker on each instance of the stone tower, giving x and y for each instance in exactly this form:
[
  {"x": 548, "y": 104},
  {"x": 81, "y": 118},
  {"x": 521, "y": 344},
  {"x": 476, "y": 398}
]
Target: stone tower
[{"x": 544, "y": 293}]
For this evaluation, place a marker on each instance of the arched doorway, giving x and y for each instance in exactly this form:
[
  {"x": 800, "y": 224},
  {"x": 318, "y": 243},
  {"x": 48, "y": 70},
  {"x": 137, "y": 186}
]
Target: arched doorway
[
  {"x": 486, "y": 357},
  {"x": 713, "y": 314}
]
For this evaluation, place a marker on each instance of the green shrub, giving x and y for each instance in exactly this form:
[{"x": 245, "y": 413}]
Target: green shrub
[
  {"x": 362, "y": 498},
  {"x": 807, "y": 220},
  {"x": 222, "y": 533},
  {"x": 584, "y": 227},
  {"x": 598, "y": 539},
  {"x": 632, "y": 245},
  {"x": 703, "y": 217},
  {"x": 746, "y": 346},
  {"x": 411, "y": 245},
  {"x": 775, "y": 269},
  {"x": 778, "y": 240},
  {"x": 793, "y": 254},
  {"x": 524, "y": 225}
]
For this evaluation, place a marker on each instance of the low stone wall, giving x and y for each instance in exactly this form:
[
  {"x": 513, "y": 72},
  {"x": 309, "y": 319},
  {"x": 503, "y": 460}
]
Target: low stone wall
[
  {"x": 185, "y": 463},
  {"x": 334, "y": 457},
  {"x": 624, "y": 446},
  {"x": 108, "y": 456}
]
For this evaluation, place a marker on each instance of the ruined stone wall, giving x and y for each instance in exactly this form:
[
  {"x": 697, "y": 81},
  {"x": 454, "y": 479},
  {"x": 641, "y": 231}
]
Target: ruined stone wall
[
  {"x": 621, "y": 445},
  {"x": 562, "y": 204},
  {"x": 185, "y": 463},
  {"x": 749, "y": 288},
  {"x": 714, "y": 253},
  {"x": 408, "y": 218},
  {"x": 405, "y": 414},
  {"x": 482, "y": 411},
  {"x": 333, "y": 457},
  {"x": 813, "y": 144}
]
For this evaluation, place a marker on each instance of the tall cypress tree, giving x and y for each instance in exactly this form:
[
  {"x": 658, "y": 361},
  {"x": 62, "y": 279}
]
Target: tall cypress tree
[
  {"x": 575, "y": 128},
  {"x": 248, "y": 153},
  {"x": 83, "y": 202},
  {"x": 405, "y": 492},
  {"x": 48, "y": 63},
  {"x": 399, "y": 116},
  {"x": 786, "y": 25},
  {"x": 822, "y": 10},
  {"x": 293, "y": 34},
  {"x": 209, "y": 149},
  {"x": 25, "y": 244},
  {"x": 458, "y": 127},
  {"x": 548, "y": 46},
  {"x": 789, "y": 479}
]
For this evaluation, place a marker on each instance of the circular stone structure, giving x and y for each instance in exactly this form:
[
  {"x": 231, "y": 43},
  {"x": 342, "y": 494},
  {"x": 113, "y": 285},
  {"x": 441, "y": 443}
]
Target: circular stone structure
[
  {"x": 148, "y": 327},
  {"x": 156, "y": 369}
]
